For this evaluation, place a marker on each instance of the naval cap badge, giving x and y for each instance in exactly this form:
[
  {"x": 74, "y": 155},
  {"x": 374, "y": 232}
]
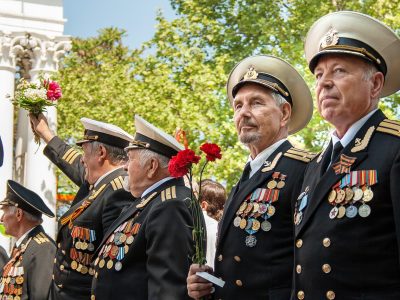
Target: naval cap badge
[
  {"x": 329, "y": 39},
  {"x": 250, "y": 74}
]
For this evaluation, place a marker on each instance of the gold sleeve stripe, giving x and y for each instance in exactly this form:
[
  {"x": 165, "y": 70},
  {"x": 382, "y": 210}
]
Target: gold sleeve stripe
[
  {"x": 70, "y": 155},
  {"x": 395, "y": 122},
  {"x": 72, "y": 159},
  {"x": 69, "y": 151}
]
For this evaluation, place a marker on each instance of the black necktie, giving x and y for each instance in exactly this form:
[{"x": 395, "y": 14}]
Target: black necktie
[
  {"x": 336, "y": 151},
  {"x": 245, "y": 175}
]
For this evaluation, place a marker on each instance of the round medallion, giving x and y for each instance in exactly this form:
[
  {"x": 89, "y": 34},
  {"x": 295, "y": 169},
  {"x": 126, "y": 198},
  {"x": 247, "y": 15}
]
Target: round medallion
[
  {"x": 102, "y": 262},
  {"x": 250, "y": 241},
  {"x": 332, "y": 196},
  {"x": 368, "y": 194},
  {"x": 364, "y": 210},
  {"x": 242, "y": 207},
  {"x": 280, "y": 184},
  {"x": 74, "y": 265},
  {"x": 256, "y": 225},
  {"x": 341, "y": 212},
  {"x": 358, "y": 194},
  {"x": 349, "y": 194},
  {"x": 236, "y": 222},
  {"x": 262, "y": 208},
  {"x": 243, "y": 223},
  {"x": 351, "y": 211},
  {"x": 272, "y": 184},
  {"x": 266, "y": 226},
  {"x": 110, "y": 264},
  {"x": 271, "y": 210},
  {"x": 118, "y": 266},
  {"x": 333, "y": 213},
  {"x": 129, "y": 240},
  {"x": 340, "y": 196},
  {"x": 90, "y": 247},
  {"x": 256, "y": 206}
]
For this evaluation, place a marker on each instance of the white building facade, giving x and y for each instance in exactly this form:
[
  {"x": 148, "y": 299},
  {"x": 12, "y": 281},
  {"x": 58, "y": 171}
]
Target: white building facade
[{"x": 31, "y": 43}]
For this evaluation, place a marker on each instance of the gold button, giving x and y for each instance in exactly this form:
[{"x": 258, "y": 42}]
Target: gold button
[
  {"x": 236, "y": 258},
  {"x": 300, "y": 295},
  {"x": 239, "y": 282},
  {"x": 326, "y": 242},
  {"x": 96, "y": 274},
  {"x": 326, "y": 268},
  {"x": 52, "y": 276},
  {"x": 298, "y": 269},
  {"x": 62, "y": 267},
  {"x": 330, "y": 295},
  {"x": 93, "y": 297},
  {"x": 299, "y": 243},
  {"x": 60, "y": 286},
  {"x": 220, "y": 257},
  {"x": 55, "y": 260},
  {"x": 63, "y": 252},
  {"x": 59, "y": 245}
]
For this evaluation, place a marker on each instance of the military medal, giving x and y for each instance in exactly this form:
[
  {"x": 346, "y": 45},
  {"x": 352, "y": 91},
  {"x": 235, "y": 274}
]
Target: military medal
[
  {"x": 236, "y": 221},
  {"x": 102, "y": 262},
  {"x": 251, "y": 241},
  {"x": 74, "y": 265},
  {"x": 358, "y": 194},
  {"x": 368, "y": 194},
  {"x": 351, "y": 211},
  {"x": 332, "y": 197},
  {"x": 273, "y": 183},
  {"x": 118, "y": 266},
  {"x": 271, "y": 211},
  {"x": 281, "y": 183},
  {"x": 266, "y": 226},
  {"x": 110, "y": 264},
  {"x": 341, "y": 212},
  {"x": 364, "y": 210},
  {"x": 129, "y": 240},
  {"x": 334, "y": 212}
]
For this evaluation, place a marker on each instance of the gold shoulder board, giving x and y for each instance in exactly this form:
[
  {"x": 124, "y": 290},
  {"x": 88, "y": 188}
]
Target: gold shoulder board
[
  {"x": 117, "y": 183},
  {"x": 168, "y": 193},
  {"x": 300, "y": 154},
  {"x": 390, "y": 127}
]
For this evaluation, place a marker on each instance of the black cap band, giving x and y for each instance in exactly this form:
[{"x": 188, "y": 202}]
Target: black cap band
[
  {"x": 96, "y": 136},
  {"x": 349, "y": 46},
  {"x": 268, "y": 81},
  {"x": 144, "y": 142}
]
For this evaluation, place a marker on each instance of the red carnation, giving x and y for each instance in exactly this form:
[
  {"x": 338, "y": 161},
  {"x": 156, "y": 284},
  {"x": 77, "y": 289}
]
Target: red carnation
[
  {"x": 213, "y": 151},
  {"x": 53, "y": 91},
  {"x": 179, "y": 164}
]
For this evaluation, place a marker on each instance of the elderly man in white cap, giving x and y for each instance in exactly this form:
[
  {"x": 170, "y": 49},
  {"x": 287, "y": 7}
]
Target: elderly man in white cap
[
  {"x": 146, "y": 253},
  {"x": 100, "y": 175},
  {"x": 348, "y": 242},
  {"x": 254, "y": 254}
]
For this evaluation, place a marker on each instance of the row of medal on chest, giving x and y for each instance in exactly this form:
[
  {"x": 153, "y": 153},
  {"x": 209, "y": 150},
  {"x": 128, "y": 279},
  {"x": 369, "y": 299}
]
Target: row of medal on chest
[{"x": 11, "y": 284}]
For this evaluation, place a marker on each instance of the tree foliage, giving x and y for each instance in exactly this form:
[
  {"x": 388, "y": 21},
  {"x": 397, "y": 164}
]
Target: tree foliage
[{"x": 177, "y": 79}]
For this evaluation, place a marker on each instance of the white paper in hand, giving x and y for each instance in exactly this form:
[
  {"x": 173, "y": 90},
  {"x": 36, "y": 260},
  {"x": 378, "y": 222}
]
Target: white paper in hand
[{"x": 211, "y": 278}]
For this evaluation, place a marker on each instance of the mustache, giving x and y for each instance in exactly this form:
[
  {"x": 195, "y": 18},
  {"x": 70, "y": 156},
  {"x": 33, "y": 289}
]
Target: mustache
[
  {"x": 126, "y": 184},
  {"x": 247, "y": 122}
]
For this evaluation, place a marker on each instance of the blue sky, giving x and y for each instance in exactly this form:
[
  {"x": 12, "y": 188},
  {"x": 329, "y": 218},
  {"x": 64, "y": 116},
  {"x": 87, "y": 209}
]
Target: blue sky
[{"x": 85, "y": 17}]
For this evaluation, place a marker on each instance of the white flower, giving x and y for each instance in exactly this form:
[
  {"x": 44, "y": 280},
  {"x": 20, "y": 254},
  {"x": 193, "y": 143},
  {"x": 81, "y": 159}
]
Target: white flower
[{"x": 36, "y": 93}]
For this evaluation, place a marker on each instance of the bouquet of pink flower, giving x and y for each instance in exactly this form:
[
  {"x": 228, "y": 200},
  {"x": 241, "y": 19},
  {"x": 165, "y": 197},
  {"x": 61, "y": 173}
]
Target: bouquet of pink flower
[
  {"x": 181, "y": 165},
  {"x": 35, "y": 97}
]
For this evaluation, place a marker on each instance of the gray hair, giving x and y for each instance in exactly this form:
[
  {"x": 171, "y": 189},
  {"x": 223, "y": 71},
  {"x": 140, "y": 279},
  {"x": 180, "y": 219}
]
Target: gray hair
[
  {"x": 369, "y": 71},
  {"x": 278, "y": 99},
  {"x": 116, "y": 156},
  {"x": 145, "y": 155},
  {"x": 29, "y": 217}
]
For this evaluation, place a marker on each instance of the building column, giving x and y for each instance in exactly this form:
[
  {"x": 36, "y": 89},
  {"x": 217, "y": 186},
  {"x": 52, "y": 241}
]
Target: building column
[{"x": 10, "y": 49}]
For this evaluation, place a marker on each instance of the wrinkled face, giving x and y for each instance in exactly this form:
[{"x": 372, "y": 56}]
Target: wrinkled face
[
  {"x": 136, "y": 174},
  {"x": 257, "y": 117},
  {"x": 89, "y": 161},
  {"x": 9, "y": 219},
  {"x": 343, "y": 89}
]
